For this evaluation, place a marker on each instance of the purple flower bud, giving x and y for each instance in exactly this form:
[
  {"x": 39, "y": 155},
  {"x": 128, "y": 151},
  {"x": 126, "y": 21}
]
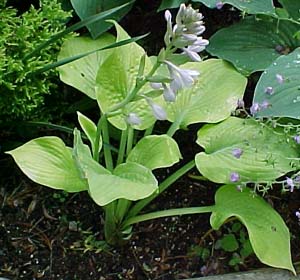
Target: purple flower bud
[
  {"x": 297, "y": 213},
  {"x": 290, "y": 183},
  {"x": 241, "y": 103},
  {"x": 234, "y": 177},
  {"x": 254, "y": 108},
  {"x": 158, "y": 111},
  {"x": 265, "y": 104},
  {"x": 269, "y": 90},
  {"x": 237, "y": 152},
  {"x": 279, "y": 79},
  {"x": 279, "y": 48},
  {"x": 219, "y": 5},
  {"x": 297, "y": 139},
  {"x": 133, "y": 119}
]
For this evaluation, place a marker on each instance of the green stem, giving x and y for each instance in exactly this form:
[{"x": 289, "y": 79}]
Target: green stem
[
  {"x": 122, "y": 208},
  {"x": 162, "y": 187},
  {"x": 122, "y": 146},
  {"x": 97, "y": 140},
  {"x": 107, "y": 151},
  {"x": 110, "y": 223},
  {"x": 148, "y": 131},
  {"x": 168, "y": 213},
  {"x": 174, "y": 126},
  {"x": 129, "y": 140}
]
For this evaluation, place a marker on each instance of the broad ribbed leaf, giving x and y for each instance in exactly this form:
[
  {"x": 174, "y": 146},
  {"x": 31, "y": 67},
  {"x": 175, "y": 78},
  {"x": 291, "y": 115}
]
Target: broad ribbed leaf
[
  {"x": 249, "y": 6},
  {"x": 292, "y": 7},
  {"x": 87, "y": 8},
  {"x": 81, "y": 74},
  {"x": 155, "y": 151},
  {"x": 116, "y": 79},
  {"x": 266, "y": 155},
  {"x": 129, "y": 181},
  {"x": 169, "y": 4},
  {"x": 268, "y": 234},
  {"x": 213, "y": 97},
  {"x": 49, "y": 162},
  {"x": 252, "y": 45},
  {"x": 283, "y": 77}
]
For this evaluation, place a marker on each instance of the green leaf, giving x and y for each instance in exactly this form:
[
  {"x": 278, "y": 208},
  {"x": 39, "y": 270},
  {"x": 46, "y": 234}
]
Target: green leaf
[
  {"x": 285, "y": 99},
  {"x": 83, "y": 158},
  {"x": 90, "y": 130},
  {"x": 116, "y": 79},
  {"x": 212, "y": 98},
  {"x": 81, "y": 74},
  {"x": 250, "y": 7},
  {"x": 251, "y": 43},
  {"x": 229, "y": 243},
  {"x": 169, "y": 4},
  {"x": 87, "y": 8},
  {"x": 268, "y": 234},
  {"x": 129, "y": 181},
  {"x": 292, "y": 7},
  {"x": 47, "y": 161},
  {"x": 155, "y": 151},
  {"x": 266, "y": 154}
]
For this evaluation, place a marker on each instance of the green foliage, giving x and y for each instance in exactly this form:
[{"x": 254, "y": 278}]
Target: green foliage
[
  {"x": 86, "y": 8},
  {"x": 285, "y": 88},
  {"x": 49, "y": 162},
  {"x": 292, "y": 7},
  {"x": 212, "y": 98},
  {"x": 251, "y": 43},
  {"x": 265, "y": 229},
  {"x": 155, "y": 151},
  {"x": 23, "y": 94},
  {"x": 266, "y": 154}
]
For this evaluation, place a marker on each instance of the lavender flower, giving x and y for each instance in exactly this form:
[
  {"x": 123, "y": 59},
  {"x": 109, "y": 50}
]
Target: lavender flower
[
  {"x": 265, "y": 104},
  {"x": 234, "y": 177},
  {"x": 169, "y": 94},
  {"x": 279, "y": 79},
  {"x": 269, "y": 90},
  {"x": 254, "y": 108},
  {"x": 133, "y": 119},
  {"x": 219, "y": 5},
  {"x": 237, "y": 152},
  {"x": 297, "y": 214},
  {"x": 158, "y": 111},
  {"x": 240, "y": 103},
  {"x": 181, "y": 78},
  {"x": 156, "y": 86},
  {"x": 297, "y": 139},
  {"x": 290, "y": 183}
]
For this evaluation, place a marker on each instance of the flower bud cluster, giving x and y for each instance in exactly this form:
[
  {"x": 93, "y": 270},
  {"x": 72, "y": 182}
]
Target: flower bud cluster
[{"x": 185, "y": 33}]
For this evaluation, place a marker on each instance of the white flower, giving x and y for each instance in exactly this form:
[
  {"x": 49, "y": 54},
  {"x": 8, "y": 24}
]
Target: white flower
[
  {"x": 158, "y": 111},
  {"x": 191, "y": 54},
  {"x": 169, "y": 94},
  {"x": 181, "y": 78},
  {"x": 156, "y": 86},
  {"x": 133, "y": 119}
]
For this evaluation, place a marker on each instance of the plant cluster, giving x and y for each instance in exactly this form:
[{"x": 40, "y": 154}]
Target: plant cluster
[
  {"x": 23, "y": 93},
  {"x": 242, "y": 147}
]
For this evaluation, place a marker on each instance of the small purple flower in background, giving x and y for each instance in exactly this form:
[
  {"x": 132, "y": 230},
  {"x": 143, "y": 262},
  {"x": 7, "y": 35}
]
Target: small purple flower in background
[
  {"x": 254, "y": 108},
  {"x": 279, "y": 79},
  {"x": 241, "y": 103},
  {"x": 279, "y": 48},
  {"x": 297, "y": 139},
  {"x": 234, "y": 177},
  {"x": 265, "y": 104},
  {"x": 237, "y": 152},
  {"x": 133, "y": 119},
  {"x": 290, "y": 183},
  {"x": 219, "y": 5},
  {"x": 269, "y": 90},
  {"x": 297, "y": 214}
]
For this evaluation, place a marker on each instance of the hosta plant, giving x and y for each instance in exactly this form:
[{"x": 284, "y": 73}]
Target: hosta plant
[{"x": 133, "y": 91}]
